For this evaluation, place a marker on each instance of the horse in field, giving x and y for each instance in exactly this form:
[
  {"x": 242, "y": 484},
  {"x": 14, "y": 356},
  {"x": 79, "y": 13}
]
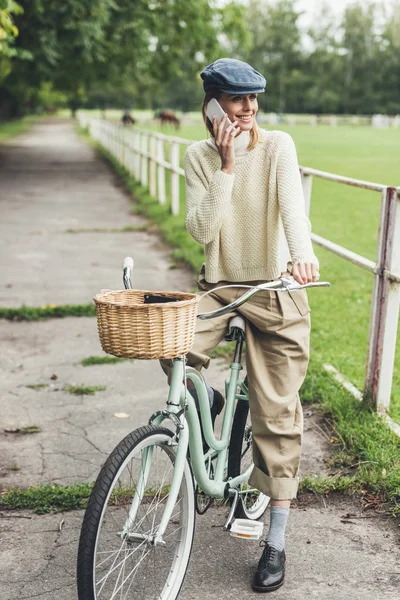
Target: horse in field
[
  {"x": 127, "y": 119},
  {"x": 167, "y": 116}
]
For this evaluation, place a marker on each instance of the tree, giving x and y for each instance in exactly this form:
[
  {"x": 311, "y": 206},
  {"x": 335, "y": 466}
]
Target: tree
[
  {"x": 360, "y": 50},
  {"x": 8, "y": 34},
  {"x": 78, "y": 45},
  {"x": 276, "y": 51},
  {"x": 388, "y": 75},
  {"x": 323, "y": 65}
]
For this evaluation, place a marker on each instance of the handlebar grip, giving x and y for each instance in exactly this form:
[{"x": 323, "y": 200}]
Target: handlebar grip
[{"x": 128, "y": 263}]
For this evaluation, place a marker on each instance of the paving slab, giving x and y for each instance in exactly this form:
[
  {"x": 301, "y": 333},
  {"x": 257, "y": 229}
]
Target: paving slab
[{"x": 53, "y": 181}]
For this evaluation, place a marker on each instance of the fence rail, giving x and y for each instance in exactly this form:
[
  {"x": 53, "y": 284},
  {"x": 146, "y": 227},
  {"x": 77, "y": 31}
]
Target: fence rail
[{"x": 143, "y": 153}]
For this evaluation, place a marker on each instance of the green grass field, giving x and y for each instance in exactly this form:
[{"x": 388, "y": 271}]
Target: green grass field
[{"x": 349, "y": 217}]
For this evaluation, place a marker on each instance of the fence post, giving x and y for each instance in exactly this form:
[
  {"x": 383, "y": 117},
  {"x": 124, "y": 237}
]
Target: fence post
[
  {"x": 115, "y": 141},
  {"x": 153, "y": 150},
  {"x": 137, "y": 146},
  {"x": 385, "y": 305},
  {"x": 144, "y": 161},
  {"x": 122, "y": 132},
  {"x": 174, "y": 178},
  {"x": 129, "y": 152},
  {"x": 306, "y": 181},
  {"x": 161, "y": 171}
]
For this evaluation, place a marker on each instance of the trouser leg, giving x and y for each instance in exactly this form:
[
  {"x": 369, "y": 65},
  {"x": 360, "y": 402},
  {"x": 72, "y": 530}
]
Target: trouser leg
[{"x": 277, "y": 352}]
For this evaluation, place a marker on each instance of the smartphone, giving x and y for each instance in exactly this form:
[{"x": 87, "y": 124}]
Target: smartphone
[
  {"x": 154, "y": 299},
  {"x": 214, "y": 108}
]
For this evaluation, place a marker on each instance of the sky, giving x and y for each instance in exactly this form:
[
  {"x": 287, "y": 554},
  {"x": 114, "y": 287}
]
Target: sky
[
  {"x": 337, "y": 6},
  {"x": 310, "y": 7}
]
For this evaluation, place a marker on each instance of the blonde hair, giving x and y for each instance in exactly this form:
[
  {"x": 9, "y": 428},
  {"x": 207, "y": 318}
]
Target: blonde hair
[{"x": 215, "y": 93}]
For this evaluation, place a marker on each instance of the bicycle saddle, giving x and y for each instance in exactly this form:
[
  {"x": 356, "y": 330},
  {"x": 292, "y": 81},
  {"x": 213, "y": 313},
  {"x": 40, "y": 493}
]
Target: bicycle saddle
[{"x": 236, "y": 329}]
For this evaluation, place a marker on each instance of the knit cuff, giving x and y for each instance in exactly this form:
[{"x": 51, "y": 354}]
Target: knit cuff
[
  {"x": 223, "y": 179},
  {"x": 310, "y": 258}
]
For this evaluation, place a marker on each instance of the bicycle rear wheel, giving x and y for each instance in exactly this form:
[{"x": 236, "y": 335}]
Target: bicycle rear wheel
[
  {"x": 115, "y": 565},
  {"x": 252, "y": 503}
]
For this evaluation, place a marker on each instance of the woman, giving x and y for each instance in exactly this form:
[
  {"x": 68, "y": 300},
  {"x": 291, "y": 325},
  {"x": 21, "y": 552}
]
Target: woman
[{"x": 245, "y": 205}]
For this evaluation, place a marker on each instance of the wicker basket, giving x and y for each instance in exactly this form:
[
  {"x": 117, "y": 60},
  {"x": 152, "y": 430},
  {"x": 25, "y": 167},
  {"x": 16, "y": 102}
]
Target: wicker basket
[{"x": 131, "y": 329}]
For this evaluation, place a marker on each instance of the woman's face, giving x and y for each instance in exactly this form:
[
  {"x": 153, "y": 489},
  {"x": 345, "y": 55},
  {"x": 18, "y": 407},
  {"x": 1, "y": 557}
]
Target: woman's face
[{"x": 241, "y": 108}]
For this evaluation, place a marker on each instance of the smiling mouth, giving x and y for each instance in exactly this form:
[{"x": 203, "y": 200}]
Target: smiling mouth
[{"x": 244, "y": 117}]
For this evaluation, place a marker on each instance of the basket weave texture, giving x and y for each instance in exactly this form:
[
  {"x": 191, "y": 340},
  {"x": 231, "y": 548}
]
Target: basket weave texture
[{"x": 129, "y": 328}]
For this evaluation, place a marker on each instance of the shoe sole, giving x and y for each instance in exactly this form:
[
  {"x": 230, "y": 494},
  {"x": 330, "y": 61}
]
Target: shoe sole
[{"x": 270, "y": 588}]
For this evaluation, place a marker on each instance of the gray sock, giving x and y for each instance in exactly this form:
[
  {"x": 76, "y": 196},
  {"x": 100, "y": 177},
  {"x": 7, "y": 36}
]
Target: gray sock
[
  {"x": 210, "y": 392},
  {"x": 277, "y": 525}
]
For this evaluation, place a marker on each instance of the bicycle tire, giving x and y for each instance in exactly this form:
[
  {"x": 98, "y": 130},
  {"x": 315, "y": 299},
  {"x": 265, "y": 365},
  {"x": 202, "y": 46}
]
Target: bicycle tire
[
  {"x": 106, "y": 514},
  {"x": 250, "y": 506}
]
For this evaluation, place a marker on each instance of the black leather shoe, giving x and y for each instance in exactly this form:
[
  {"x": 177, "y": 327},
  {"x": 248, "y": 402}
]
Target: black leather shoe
[{"x": 270, "y": 574}]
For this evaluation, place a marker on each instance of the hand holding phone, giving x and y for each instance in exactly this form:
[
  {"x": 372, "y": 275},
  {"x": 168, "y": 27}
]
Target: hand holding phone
[
  {"x": 214, "y": 108},
  {"x": 223, "y": 142}
]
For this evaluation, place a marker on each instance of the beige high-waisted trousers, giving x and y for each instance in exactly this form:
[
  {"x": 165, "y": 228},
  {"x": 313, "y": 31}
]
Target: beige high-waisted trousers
[{"x": 277, "y": 353}]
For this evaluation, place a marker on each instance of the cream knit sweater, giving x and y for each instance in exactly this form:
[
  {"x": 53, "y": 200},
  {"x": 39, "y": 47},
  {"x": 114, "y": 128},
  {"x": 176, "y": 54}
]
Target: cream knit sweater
[{"x": 252, "y": 223}]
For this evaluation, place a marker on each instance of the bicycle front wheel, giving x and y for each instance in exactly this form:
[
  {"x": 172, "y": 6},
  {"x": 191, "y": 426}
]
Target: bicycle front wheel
[
  {"x": 117, "y": 557},
  {"x": 252, "y": 503}
]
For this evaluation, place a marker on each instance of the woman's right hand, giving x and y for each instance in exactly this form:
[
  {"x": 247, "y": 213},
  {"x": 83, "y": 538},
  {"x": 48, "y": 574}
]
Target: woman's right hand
[{"x": 224, "y": 143}]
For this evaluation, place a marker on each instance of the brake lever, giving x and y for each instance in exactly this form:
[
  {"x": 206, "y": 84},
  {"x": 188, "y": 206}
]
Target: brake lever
[{"x": 289, "y": 284}]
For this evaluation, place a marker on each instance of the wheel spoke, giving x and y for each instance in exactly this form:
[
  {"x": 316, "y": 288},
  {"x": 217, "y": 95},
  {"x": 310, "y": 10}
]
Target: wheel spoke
[{"x": 115, "y": 566}]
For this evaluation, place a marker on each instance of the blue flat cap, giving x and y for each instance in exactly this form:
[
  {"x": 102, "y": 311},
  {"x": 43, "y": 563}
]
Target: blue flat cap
[{"x": 232, "y": 77}]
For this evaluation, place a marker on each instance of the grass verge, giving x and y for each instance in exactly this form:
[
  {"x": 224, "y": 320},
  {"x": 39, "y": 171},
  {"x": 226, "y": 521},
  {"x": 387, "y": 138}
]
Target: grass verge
[
  {"x": 102, "y": 360},
  {"x": 366, "y": 452},
  {"x": 31, "y": 313},
  {"x": 127, "y": 229},
  {"x": 83, "y": 390},
  {"x": 16, "y": 126},
  {"x": 37, "y": 386},
  {"x": 56, "y": 498},
  {"x": 47, "y": 498}
]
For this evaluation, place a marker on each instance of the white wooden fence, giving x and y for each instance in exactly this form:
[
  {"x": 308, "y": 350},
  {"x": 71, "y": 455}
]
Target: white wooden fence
[
  {"x": 143, "y": 153},
  {"x": 377, "y": 121}
]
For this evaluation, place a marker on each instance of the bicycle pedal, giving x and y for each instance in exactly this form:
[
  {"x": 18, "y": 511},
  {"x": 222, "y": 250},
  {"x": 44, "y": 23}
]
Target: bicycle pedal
[{"x": 244, "y": 528}]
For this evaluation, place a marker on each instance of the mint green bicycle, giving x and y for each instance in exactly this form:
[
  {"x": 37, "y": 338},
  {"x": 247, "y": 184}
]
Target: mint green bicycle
[{"x": 138, "y": 529}]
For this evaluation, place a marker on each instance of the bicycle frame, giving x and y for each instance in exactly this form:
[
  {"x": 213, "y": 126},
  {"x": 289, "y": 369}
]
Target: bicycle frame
[
  {"x": 180, "y": 398},
  {"x": 182, "y": 411}
]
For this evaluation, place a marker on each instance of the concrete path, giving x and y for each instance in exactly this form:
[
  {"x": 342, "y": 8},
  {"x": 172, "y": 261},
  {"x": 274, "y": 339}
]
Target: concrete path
[{"x": 51, "y": 182}]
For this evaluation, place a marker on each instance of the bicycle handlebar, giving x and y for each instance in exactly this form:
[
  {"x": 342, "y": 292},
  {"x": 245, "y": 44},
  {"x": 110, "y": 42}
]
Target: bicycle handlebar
[
  {"x": 283, "y": 284},
  {"x": 127, "y": 269}
]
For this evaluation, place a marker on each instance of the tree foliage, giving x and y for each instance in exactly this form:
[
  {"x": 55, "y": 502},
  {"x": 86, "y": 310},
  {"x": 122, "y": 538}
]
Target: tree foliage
[
  {"x": 8, "y": 33},
  {"x": 150, "y": 52},
  {"x": 79, "y": 45}
]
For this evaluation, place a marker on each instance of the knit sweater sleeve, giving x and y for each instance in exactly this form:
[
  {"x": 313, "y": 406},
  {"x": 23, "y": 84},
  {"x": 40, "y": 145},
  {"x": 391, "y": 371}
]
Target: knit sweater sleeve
[
  {"x": 296, "y": 225},
  {"x": 206, "y": 202}
]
